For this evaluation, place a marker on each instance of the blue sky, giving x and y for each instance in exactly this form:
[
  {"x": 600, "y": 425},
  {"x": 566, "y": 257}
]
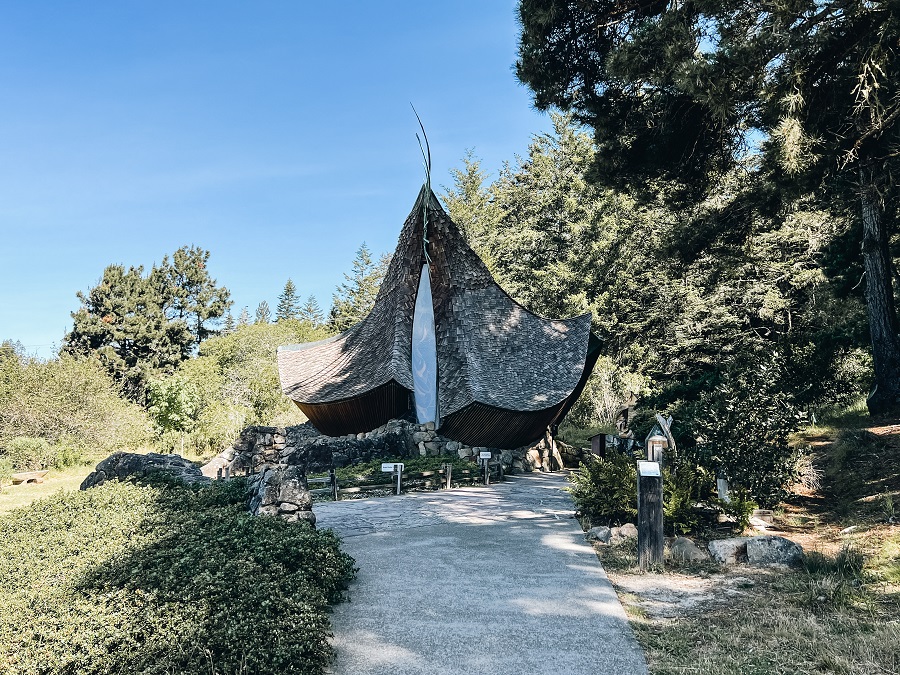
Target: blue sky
[{"x": 277, "y": 135}]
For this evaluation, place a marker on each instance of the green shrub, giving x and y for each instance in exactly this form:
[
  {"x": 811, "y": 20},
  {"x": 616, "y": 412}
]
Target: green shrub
[
  {"x": 156, "y": 579},
  {"x": 27, "y": 453},
  {"x": 683, "y": 487},
  {"x": 740, "y": 506},
  {"x": 6, "y": 471},
  {"x": 605, "y": 489}
]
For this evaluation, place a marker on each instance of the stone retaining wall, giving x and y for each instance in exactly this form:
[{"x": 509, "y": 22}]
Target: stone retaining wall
[{"x": 259, "y": 448}]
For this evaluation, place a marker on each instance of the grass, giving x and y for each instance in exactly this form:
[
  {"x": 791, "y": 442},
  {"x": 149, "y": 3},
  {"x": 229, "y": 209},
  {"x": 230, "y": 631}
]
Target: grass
[
  {"x": 58, "y": 480},
  {"x": 839, "y": 614}
]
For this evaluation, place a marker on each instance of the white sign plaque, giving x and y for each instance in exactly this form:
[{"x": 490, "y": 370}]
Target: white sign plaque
[
  {"x": 648, "y": 468},
  {"x": 391, "y": 466},
  {"x": 485, "y": 455}
]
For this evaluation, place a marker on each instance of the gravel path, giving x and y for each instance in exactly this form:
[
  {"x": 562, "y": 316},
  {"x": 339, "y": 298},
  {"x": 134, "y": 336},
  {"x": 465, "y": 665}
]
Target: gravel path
[{"x": 494, "y": 580}]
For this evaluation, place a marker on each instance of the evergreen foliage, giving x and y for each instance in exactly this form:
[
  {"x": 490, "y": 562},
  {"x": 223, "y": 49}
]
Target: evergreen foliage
[
  {"x": 139, "y": 326},
  {"x": 288, "y": 303},
  {"x": 680, "y": 310},
  {"x": 243, "y": 317},
  {"x": 356, "y": 295},
  {"x": 311, "y": 313},
  {"x": 737, "y": 111},
  {"x": 263, "y": 313},
  {"x": 160, "y": 579},
  {"x": 228, "y": 326}
]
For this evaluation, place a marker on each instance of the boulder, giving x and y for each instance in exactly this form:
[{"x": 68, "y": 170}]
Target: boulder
[
  {"x": 628, "y": 531},
  {"x": 600, "y": 533},
  {"x": 729, "y": 551},
  {"x": 125, "y": 465},
  {"x": 685, "y": 550},
  {"x": 771, "y": 550}
]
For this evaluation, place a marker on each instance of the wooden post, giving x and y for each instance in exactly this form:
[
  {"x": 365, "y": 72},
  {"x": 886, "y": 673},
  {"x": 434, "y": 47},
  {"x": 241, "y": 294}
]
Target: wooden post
[
  {"x": 650, "y": 515},
  {"x": 448, "y": 470},
  {"x": 332, "y": 477},
  {"x": 219, "y": 473},
  {"x": 227, "y": 473}
]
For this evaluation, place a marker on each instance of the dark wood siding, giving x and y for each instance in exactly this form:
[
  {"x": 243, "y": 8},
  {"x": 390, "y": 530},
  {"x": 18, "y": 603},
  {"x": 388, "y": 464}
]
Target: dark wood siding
[{"x": 360, "y": 413}]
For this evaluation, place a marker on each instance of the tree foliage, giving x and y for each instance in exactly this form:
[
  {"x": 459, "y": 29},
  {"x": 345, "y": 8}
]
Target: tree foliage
[
  {"x": 735, "y": 111},
  {"x": 288, "y": 303},
  {"x": 139, "y": 326},
  {"x": 355, "y": 296},
  {"x": 263, "y": 313},
  {"x": 679, "y": 310}
]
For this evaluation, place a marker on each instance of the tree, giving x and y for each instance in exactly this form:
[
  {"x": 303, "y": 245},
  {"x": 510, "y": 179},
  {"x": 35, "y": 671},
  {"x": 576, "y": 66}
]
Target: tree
[
  {"x": 228, "y": 326},
  {"x": 122, "y": 323},
  {"x": 141, "y": 326},
  {"x": 263, "y": 313},
  {"x": 189, "y": 293},
  {"x": 680, "y": 94},
  {"x": 310, "y": 312},
  {"x": 243, "y": 317},
  {"x": 288, "y": 303},
  {"x": 355, "y": 297}
]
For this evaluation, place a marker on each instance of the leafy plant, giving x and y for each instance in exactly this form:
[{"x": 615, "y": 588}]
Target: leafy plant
[
  {"x": 159, "y": 579},
  {"x": 604, "y": 489},
  {"x": 27, "y": 453}
]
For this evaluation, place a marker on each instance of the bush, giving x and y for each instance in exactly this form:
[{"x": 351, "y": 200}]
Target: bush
[
  {"x": 128, "y": 578},
  {"x": 605, "y": 489},
  {"x": 69, "y": 401},
  {"x": 26, "y": 453}
]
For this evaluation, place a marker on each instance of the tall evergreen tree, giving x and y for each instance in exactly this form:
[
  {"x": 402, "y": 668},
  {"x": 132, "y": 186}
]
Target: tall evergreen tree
[
  {"x": 682, "y": 92},
  {"x": 356, "y": 295},
  {"x": 228, "y": 326},
  {"x": 288, "y": 303},
  {"x": 191, "y": 295},
  {"x": 263, "y": 313},
  {"x": 311, "y": 312},
  {"x": 243, "y": 317}
]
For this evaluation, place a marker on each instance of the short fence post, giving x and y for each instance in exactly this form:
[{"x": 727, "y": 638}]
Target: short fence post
[
  {"x": 227, "y": 473},
  {"x": 398, "y": 471},
  {"x": 650, "y": 515},
  {"x": 332, "y": 477},
  {"x": 448, "y": 470},
  {"x": 219, "y": 473}
]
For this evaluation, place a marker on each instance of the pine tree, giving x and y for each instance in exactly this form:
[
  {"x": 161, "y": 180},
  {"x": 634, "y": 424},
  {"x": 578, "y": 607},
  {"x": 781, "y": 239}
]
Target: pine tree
[
  {"x": 243, "y": 318},
  {"x": 288, "y": 303},
  {"x": 356, "y": 295},
  {"x": 311, "y": 312},
  {"x": 228, "y": 327},
  {"x": 679, "y": 94},
  {"x": 263, "y": 313}
]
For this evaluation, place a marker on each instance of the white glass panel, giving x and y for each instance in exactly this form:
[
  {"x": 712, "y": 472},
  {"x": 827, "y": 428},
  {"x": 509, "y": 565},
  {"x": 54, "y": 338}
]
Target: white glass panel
[{"x": 424, "y": 353}]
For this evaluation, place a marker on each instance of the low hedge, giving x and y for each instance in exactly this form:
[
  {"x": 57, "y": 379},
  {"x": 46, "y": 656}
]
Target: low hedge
[{"x": 129, "y": 578}]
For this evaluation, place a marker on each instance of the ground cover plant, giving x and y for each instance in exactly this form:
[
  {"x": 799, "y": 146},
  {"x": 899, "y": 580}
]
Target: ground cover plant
[{"x": 161, "y": 578}]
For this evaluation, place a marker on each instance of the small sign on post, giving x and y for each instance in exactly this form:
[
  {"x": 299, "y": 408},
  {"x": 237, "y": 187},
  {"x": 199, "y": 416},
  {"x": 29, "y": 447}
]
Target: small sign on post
[
  {"x": 397, "y": 469},
  {"x": 650, "y": 515},
  {"x": 485, "y": 457}
]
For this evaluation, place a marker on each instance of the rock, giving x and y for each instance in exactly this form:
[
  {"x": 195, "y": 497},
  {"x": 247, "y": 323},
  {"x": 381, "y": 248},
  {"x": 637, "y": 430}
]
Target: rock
[
  {"x": 771, "y": 550},
  {"x": 729, "y": 551},
  {"x": 464, "y": 453},
  {"x": 600, "y": 533},
  {"x": 212, "y": 467},
  {"x": 434, "y": 449},
  {"x": 685, "y": 550},
  {"x": 422, "y": 450},
  {"x": 281, "y": 492},
  {"x": 429, "y": 426},
  {"x": 628, "y": 531},
  {"x": 360, "y": 437},
  {"x": 452, "y": 446},
  {"x": 420, "y": 436},
  {"x": 125, "y": 465}
]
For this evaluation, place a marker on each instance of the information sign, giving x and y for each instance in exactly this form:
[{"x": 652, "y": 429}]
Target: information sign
[
  {"x": 485, "y": 455},
  {"x": 391, "y": 466},
  {"x": 648, "y": 468}
]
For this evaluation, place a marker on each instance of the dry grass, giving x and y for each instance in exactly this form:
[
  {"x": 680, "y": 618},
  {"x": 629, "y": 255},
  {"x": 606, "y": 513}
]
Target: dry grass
[{"x": 840, "y": 614}]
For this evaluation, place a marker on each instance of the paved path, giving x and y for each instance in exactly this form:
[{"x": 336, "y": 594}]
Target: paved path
[{"x": 490, "y": 581}]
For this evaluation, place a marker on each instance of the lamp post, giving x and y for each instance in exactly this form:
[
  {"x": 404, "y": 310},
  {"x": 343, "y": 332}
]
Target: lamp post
[{"x": 656, "y": 443}]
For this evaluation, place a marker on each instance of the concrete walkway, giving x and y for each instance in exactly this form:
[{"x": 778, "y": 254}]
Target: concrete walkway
[{"x": 491, "y": 581}]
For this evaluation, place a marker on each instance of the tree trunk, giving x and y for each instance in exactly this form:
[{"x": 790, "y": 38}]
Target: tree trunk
[{"x": 883, "y": 325}]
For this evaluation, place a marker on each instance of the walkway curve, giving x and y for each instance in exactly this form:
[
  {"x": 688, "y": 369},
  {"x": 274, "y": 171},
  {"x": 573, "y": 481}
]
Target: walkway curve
[{"x": 492, "y": 581}]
